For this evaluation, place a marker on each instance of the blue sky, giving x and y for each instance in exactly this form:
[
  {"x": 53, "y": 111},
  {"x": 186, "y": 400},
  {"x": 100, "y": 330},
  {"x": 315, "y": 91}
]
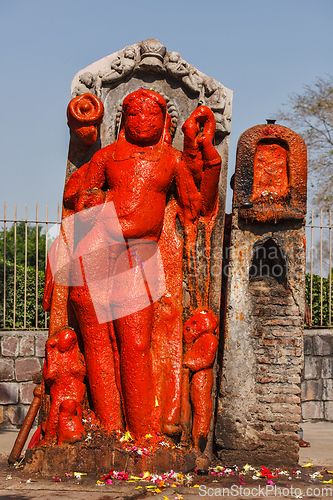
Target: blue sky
[{"x": 262, "y": 50}]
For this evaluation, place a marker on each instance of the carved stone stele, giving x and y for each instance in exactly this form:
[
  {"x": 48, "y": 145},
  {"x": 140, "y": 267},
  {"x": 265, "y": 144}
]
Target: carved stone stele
[{"x": 139, "y": 260}]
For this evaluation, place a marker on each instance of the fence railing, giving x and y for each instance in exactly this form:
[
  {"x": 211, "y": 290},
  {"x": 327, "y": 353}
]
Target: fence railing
[
  {"x": 24, "y": 244},
  {"x": 319, "y": 268}
]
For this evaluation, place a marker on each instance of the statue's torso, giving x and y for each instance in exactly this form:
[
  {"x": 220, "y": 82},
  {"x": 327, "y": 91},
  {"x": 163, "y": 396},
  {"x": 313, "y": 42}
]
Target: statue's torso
[{"x": 138, "y": 185}]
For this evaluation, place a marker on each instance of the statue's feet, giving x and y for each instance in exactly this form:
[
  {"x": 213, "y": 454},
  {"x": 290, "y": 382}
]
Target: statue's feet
[
  {"x": 171, "y": 429},
  {"x": 202, "y": 462}
]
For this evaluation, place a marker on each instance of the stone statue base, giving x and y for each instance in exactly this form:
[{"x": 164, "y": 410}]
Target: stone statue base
[{"x": 101, "y": 459}]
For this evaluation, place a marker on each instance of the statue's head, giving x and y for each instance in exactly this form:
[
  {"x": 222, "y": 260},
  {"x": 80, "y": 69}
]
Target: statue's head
[
  {"x": 64, "y": 339},
  {"x": 174, "y": 57},
  {"x": 129, "y": 53},
  {"x": 203, "y": 321},
  {"x": 87, "y": 79},
  {"x": 144, "y": 116}
]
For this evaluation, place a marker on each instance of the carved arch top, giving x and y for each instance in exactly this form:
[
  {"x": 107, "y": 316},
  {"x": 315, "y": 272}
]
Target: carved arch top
[{"x": 151, "y": 63}]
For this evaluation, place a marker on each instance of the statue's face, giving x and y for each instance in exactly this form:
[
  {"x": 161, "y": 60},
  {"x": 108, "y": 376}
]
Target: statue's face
[{"x": 144, "y": 121}]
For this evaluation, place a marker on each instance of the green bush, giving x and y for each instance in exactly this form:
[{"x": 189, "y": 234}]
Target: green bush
[
  {"x": 316, "y": 301},
  {"x": 31, "y": 296}
]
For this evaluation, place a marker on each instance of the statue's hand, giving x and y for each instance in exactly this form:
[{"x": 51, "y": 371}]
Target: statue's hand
[
  {"x": 199, "y": 130},
  {"x": 89, "y": 198}
]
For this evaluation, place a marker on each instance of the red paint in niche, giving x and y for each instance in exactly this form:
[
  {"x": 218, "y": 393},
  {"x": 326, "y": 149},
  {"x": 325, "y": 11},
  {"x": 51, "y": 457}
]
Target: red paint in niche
[{"x": 270, "y": 173}]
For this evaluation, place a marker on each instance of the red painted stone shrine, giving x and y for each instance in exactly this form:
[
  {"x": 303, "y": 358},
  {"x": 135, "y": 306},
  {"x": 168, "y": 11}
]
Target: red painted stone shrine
[
  {"x": 133, "y": 296},
  {"x": 144, "y": 369}
]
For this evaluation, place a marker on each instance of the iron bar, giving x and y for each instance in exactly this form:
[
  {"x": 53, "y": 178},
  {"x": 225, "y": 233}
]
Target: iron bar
[
  {"x": 321, "y": 269},
  {"x": 330, "y": 270},
  {"x": 25, "y": 265},
  {"x": 15, "y": 249},
  {"x": 46, "y": 232},
  {"x": 4, "y": 267},
  {"x": 311, "y": 267},
  {"x": 36, "y": 304}
]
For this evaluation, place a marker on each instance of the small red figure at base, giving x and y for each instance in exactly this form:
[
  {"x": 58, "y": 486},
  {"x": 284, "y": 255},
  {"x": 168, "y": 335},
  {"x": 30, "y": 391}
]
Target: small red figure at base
[
  {"x": 200, "y": 348},
  {"x": 70, "y": 428},
  {"x": 64, "y": 371}
]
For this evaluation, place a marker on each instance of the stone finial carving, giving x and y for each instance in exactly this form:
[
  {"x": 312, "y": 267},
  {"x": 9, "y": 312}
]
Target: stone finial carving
[{"x": 152, "y": 55}]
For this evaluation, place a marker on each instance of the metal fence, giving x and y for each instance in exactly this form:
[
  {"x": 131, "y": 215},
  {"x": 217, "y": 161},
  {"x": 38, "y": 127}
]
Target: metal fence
[
  {"x": 22, "y": 285},
  {"x": 319, "y": 268}
]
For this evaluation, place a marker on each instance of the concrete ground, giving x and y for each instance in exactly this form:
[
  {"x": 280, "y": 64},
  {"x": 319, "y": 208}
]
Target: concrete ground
[{"x": 15, "y": 485}]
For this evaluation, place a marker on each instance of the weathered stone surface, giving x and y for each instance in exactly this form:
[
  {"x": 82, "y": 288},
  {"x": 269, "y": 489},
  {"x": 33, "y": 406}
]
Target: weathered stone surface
[
  {"x": 27, "y": 346},
  {"x": 321, "y": 346},
  {"x": 328, "y": 410},
  {"x": 312, "y": 390},
  {"x": 313, "y": 410},
  {"x": 9, "y": 346},
  {"x": 65, "y": 459},
  {"x": 16, "y": 414},
  {"x": 6, "y": 369},
  {"x": 327, "y": 368},
  {"x": 311, "y": 368},
  {"x": 307, "y": 345},
  {"x": 26, "y": 392},
  {"x": 9, "y": 393},
  {"x": 40, "y": 345},
  {"x": 26, "y": 368},
  {"x": 278, "y": 426},
  {"x": 1, "y": 414},
  {"x": 328, "y": 389}
]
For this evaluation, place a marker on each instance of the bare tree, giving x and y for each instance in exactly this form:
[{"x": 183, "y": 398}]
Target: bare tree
[{"x": 311, "y": 115}]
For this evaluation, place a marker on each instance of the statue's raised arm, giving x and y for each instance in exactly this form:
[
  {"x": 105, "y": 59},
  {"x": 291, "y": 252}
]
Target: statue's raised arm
[{"x": 201, "y": 157}]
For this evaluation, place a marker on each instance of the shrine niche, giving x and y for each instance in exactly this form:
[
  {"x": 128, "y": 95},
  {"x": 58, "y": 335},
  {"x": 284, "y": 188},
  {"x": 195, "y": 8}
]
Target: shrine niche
[
  {"x": 270, "y": 183},
  {"x": 258, "y": 409},
  {"x": 133, "y": 287}
]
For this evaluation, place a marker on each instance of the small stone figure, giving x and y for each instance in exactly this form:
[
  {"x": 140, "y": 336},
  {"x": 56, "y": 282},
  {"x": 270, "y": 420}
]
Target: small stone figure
[
  {"x": 217, "y": 103},
  {"x": 86, "y": 85},
  {"x": 64, "y": 371},
  {"x": 195, "y": 83},
  {"x": 121, "y": 67},
  {"x": 176, "y": 66},
  {"x": 70, "y": 428},
  {"x": 200, "y": 346}
]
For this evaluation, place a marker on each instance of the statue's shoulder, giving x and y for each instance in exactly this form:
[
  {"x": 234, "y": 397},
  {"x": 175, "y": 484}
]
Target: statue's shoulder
[
  {"x": 104, "y": 153},
  {"x": 173, "y": 152}
]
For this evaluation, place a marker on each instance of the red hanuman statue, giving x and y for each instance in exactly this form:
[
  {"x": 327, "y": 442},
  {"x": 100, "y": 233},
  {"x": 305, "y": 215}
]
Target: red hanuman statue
[{"x": 120, "y": 197}]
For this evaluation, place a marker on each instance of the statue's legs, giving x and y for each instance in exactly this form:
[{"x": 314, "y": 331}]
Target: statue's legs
[
  {"x": 99, "y": 358},
  {"x": 134, "y": 338},
  {"x": 201, "y": 399},
  {"x": 100, "y": 352}
]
